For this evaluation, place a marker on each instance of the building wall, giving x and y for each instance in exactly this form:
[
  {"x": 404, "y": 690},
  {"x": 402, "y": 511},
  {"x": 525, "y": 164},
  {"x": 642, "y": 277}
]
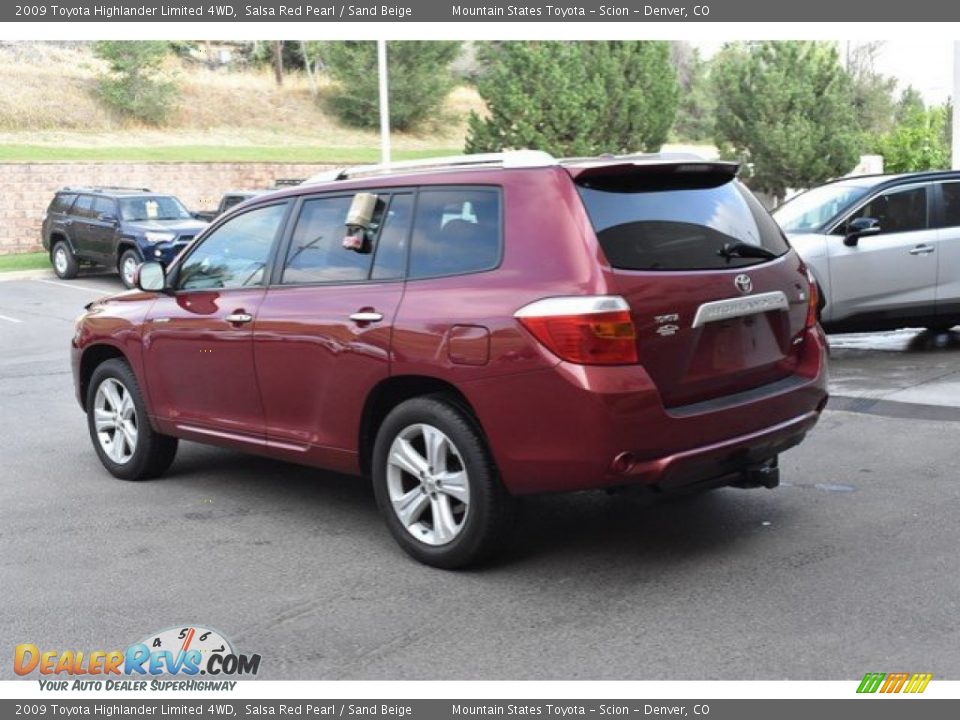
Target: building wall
[{"x": 26, "y": 188}]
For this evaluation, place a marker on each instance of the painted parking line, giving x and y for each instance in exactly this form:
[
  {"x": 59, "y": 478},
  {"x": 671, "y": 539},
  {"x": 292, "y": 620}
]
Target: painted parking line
[
  {"x": 10, "y": 319},
  {"x": 81, "y": 288}
]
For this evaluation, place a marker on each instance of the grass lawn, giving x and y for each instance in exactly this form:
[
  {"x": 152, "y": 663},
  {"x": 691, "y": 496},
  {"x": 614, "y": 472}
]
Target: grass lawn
[
  {"x": 208, "y": 153},
  {"x": 24, "y": 261}
]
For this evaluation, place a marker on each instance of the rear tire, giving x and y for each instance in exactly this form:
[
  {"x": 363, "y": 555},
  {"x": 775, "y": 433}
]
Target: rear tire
[
  {"x": 120, "y": 430},
  {"x": 65, "y": 263},
  {"x": 437, "y": 486},
  {"x": 127, "y": 267}
]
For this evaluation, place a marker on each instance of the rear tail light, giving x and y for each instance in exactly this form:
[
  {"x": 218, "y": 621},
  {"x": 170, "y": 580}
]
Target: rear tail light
[
  {"x": 587, "y": 330},
  {"x": 813, "y": 301}
]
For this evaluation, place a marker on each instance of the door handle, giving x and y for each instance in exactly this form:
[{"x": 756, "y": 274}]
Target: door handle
[
  {"x": 239, "y": 318},
  {"x": 922, "y": 250},
  {"x": 366, "y": 316}
]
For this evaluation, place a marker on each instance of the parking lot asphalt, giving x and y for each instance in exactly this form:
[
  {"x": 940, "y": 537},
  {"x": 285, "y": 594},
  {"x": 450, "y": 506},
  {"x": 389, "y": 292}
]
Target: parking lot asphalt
[{"x": 850, "y": 566}]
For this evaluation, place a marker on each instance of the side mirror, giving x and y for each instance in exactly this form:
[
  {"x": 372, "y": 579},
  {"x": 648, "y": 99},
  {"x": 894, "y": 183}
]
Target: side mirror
[
  {"x": 150, "y": 277},
  {"x": 108, "y": 218},
  {"x": 860, "y": 227}
]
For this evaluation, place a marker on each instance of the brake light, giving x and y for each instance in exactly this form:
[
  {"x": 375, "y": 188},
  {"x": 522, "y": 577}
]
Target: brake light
[
  {"x": 813, "y": 301},
  {"x": 587, "y": 330}
]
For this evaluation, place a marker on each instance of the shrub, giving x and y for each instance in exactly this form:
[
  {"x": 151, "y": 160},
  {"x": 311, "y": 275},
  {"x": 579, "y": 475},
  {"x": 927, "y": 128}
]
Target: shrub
[
  {"x": 784, "y": 109},
  {"x": 920, "y": 141},
  {"x": 133, "y": 85},
  {"x": 575, "y": 98},
  {"x": 419, "y": 73}
]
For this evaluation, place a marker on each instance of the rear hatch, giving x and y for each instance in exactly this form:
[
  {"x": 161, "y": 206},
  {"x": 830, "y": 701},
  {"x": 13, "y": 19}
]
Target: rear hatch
[{"x": 718, "y": 299}]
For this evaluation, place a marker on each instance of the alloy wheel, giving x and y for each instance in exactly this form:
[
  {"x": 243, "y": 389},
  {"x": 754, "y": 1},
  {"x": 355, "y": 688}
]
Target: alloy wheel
[
  {"x": 428, "y": 484},
  {"x": 115, "y": 420},
  {"x": 60, "y": 259},
  {"x": 128, "y": 270}
]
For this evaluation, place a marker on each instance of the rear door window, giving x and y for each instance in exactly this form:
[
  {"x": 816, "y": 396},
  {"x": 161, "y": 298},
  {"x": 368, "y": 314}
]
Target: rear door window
[
  {"x": 84, "y": 206},
  {"x": 455, "y": 231},
  {"x": 391, "y": 247},
  {"x": 951, "y": 204},
  {"x": 688, "y": 227},
  {"x": 316, "y": 252}
]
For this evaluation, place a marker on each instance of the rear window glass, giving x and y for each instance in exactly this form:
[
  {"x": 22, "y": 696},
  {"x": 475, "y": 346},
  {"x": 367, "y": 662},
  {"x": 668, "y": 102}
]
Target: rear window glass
[
  {"x": 61, "y": 203},
  {"x": 456, "y": 230},
  {"x": 686, "y": 228}
]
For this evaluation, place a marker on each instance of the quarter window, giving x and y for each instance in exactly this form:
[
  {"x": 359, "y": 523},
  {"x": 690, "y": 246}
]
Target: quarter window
[
  {"x": 456, "y": 230},
  {"x": 61, "y": 203},
  {"x": 897, "y": 211},
  {"x": 236, "y": 253}
]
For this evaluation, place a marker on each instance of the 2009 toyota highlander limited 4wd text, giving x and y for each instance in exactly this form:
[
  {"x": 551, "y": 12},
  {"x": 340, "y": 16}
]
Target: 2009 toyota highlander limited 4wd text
[{"x": 467, "y": 330}]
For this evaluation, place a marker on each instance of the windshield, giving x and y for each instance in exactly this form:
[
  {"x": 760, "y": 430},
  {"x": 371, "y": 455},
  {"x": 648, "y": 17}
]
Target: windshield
[
  {"x": 155, "y": 207},
  {"x": 809, "y": 211}
]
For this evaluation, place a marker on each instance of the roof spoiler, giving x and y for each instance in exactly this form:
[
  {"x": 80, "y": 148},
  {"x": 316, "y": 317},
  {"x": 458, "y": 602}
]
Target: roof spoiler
[{"x": 677, "y": 165}]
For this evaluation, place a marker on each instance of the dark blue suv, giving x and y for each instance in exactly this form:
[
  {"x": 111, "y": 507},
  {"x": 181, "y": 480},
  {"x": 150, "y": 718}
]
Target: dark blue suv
[{"x": 116, "y": 227}]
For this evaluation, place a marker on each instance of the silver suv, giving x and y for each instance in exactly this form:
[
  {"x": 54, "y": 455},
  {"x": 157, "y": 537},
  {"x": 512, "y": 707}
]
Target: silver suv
[{"x": 884, "y": 249}]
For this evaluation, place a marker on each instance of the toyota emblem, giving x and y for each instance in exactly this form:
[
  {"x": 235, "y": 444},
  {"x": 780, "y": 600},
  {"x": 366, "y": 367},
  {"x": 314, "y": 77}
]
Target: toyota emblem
[{"x": 744, "y": 283}]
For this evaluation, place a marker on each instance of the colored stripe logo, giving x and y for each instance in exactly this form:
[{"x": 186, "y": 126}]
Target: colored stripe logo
[{"x": 894, "y": 682}]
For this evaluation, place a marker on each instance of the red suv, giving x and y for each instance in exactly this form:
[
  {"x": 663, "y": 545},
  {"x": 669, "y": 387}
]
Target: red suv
[{"x": 468, "y": 330}]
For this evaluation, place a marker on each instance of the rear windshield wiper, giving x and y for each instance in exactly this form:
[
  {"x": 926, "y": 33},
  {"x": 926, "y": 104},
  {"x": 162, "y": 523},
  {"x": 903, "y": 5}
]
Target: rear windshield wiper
[{"x": 744, "y": 250}]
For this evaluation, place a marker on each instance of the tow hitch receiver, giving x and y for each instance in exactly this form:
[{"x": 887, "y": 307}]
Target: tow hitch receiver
[{"x": 765, "y": 474}]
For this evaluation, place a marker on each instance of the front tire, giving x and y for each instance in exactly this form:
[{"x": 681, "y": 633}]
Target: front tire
[
  {"x": 437, "y": 486},
  {"x": 127, "y": 267},
  {"x": 120, "y": 430},
  {"x": 65, "y": 264}
]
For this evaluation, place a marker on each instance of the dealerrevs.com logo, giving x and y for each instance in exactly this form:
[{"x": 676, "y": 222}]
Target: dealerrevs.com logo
[{"x": 187, "y": 652}]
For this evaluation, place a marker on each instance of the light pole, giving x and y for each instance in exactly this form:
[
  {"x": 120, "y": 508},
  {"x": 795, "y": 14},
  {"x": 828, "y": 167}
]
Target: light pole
[{"x": 385, "y": 102}]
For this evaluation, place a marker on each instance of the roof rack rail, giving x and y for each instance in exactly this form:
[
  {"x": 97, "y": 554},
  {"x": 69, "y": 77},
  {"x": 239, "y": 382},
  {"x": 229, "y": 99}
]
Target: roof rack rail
[
  {"x": 101, "y": 188},
  {"x": 508, "y": 159}
]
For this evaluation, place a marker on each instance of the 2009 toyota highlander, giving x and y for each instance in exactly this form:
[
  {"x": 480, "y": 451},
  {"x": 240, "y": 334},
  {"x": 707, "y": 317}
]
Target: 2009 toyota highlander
[{"x": 468, "y": 330}]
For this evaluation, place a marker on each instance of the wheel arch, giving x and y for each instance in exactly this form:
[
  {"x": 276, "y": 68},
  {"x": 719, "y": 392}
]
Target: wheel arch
[
  {"x": 93, "y": 357},
  {"x": 60, "y": 236},
  {"x": 392, "y": 391},
  {"x": 124, "y": 244}
]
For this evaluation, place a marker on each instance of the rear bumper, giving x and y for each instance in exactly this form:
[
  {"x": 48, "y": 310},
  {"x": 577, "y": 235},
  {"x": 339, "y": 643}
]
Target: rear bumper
[{"x": 574, "y": 427}]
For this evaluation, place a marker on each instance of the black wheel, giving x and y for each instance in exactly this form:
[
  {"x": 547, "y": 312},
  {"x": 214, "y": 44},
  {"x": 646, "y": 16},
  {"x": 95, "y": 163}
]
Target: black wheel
[
  {"x": 119, "y": 428},
  {"x": 127, "y": 266},
  {"x": 437, "y": 486},
  {"x": 65, "y": 263}
]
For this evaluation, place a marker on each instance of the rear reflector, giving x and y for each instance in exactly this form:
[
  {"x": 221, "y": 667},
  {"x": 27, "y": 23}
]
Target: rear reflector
[{"x": 587, "y": 330}]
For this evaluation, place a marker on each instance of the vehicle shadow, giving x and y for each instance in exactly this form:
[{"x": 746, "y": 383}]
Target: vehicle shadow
[
  {"x": 931, "y": 341},
  {"x": 629, "y": 526}
]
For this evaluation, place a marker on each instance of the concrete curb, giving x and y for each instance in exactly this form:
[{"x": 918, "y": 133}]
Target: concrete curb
[{"x": 27, "y": 274}]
